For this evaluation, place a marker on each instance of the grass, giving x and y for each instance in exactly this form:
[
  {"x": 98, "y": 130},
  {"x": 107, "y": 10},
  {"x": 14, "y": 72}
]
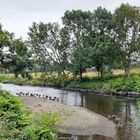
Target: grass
[
  {"x": 134, "y": 71},
  {"x": 116, "y": 82},
  {"x": 10, "y": 78}
]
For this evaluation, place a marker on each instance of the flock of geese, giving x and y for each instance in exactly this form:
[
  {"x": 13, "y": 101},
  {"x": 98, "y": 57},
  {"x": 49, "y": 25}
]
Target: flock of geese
[
  {"x": 116, "y": 120},
  {"x": 39, "y": 96}
]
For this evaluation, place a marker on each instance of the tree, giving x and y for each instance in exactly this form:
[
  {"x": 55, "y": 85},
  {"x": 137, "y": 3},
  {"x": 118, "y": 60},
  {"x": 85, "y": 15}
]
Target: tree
[
  {"x": 5, "y": 42},
  {"x": 104, "y": 50},
  {"x": 79, "y": 60},
  {"x": 79, "y": 25},
  {"x": 50, "y": 44},
  {"x": 127, "y": 30},
  {"x": 104, "y": 54},
  {"x": 20, "y": 57}
]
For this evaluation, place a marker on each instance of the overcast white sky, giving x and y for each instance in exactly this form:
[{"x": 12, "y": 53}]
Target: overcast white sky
[{"x": 17, "y": 15}]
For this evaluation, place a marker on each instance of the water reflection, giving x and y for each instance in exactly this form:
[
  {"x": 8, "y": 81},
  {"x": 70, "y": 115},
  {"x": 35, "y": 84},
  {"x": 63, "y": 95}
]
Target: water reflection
[
  {"x": 91, "y": 137},
  {"x": 127, "y": 110}
]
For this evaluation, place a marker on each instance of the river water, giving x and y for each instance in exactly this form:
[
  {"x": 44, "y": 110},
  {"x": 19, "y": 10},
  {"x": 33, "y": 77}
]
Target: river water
[{"x": 127, "y": 110}]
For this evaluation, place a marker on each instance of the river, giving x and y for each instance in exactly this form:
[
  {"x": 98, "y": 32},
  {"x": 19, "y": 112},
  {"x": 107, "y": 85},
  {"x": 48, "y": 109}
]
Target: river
[{"x": 127, "y": 110}]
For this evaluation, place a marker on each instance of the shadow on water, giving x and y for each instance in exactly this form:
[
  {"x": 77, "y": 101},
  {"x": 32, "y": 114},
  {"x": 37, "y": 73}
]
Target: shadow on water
[{"x": 127, "y": 110}]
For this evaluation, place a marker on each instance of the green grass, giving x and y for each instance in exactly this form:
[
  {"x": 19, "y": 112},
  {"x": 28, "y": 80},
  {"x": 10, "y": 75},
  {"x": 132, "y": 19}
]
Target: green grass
[
  {"x": 9, "y": 78},
  {"x": 85, "y": 85},
  {"x": 109, "y": 82},
  {"x": 37, "y": 80}
]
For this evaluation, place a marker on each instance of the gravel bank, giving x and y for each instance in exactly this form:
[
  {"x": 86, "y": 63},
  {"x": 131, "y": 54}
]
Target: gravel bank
[{"x": 75, "y": 120}]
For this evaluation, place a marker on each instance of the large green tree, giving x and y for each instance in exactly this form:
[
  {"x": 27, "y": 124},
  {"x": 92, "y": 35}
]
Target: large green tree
[
  {"x": 5, "y": 43},
  {"x": 79, "y": 25},
  {"x": 20, "y": 57},
  {"x": 127, "y": 31},
  {"x": 50, "y": 44},
  {"x": 104, "y": 50}
]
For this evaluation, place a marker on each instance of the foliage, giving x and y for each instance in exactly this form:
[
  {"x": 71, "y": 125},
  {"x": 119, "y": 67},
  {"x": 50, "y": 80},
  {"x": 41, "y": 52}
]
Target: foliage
[
  {"x": 50, "y": 45},
  {"x": 43, "y": 128},
  {"x": 12, "y": 116},
  {"x": 85, "y": 85},
  {"x": 79, "y": 25},
  {"x": 98, "y": 40},
  {"x": 113, "y": 83},
  {"x": 18, "y": 124},
  {"x": 108, "y": 82},
  {"x": 127, "y": 33},
  {"x": 79, "y": 60},
  {"x": 5, "y": 42},
  {"x": 11, "y": 79},
  {"x": 20, "y": 58}
]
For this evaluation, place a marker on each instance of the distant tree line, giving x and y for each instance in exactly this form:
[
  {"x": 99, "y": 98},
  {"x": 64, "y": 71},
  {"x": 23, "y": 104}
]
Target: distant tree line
[{"x": 86, "y": 39}]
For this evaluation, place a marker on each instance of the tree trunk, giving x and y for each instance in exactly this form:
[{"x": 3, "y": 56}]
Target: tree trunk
[
  {"x": 127, "y": 71},
  {"x": 74, "y": 75},
  {"x": 127, "y": 66},
  {"x": 81, "y": 74},
  {"x": 101, "y": 72},
  {"x": 16, "y": 75},
  {"x": 64, "y": 75}
]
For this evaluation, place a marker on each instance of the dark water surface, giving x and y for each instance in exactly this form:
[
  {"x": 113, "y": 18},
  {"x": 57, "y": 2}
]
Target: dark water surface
[{"x": 127, "y": 110}]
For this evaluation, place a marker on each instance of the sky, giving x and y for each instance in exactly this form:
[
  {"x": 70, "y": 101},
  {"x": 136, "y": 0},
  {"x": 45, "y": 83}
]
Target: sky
[{"x": 18, "y": 15}]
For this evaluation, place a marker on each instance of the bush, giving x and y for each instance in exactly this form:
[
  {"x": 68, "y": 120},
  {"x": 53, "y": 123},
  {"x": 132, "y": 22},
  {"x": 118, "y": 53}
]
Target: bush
[
  {"x": 43, "y": 128},
  {"x": 118, "y": 83},
  {"x": 85, "y": 85},
  {"x": 16, "y": 123}
]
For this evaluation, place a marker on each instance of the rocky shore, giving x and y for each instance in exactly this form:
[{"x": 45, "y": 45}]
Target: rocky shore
[{"x": 131, "y": 95}]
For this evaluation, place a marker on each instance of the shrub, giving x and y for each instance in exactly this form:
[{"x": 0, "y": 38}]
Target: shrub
[{"x": 16, "y": 123}]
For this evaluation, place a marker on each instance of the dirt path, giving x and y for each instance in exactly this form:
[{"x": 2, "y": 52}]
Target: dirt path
[{"x": 76, "y": 120}]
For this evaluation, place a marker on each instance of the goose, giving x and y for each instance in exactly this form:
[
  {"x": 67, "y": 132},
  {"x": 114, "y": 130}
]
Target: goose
[
  {"x": 50, "y": 97},
  {"x": 109, "y": 117},
  {"x": 17, "y": 94},
  {"x": 27, "y": 93},
  {"x": 119, "y": 126},
  {"x": 46, "y": 97},
  {"x": 57, "y": 99},
  {"x": 31, "y": 94},
  {"x": 114, "y": 116},
  {"x": 117, "y": 119}
]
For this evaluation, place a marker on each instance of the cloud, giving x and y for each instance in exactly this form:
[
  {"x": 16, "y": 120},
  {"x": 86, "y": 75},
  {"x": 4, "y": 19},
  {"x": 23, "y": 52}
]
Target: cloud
[{"x": 18, "y": 15}]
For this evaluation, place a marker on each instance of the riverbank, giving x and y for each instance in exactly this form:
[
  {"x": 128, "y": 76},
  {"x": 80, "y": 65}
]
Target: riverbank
[
  {"x": 130, "y": 95},
  {"x": 75, "y": 120},
  {"x": 111, "y": 86},
  {"x": 103, "y": 105}
]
